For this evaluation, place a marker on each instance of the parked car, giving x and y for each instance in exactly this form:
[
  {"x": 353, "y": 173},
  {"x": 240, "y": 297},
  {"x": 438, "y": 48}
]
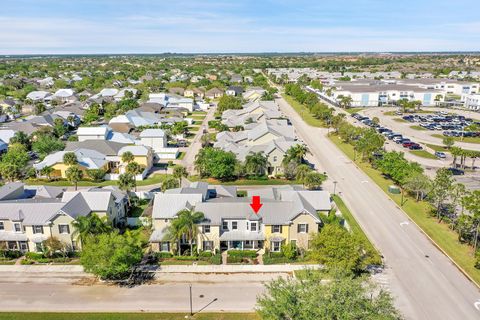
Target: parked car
[
  {"x": 456, "y": 172},
  {"x": 415, "y": 147},
  {"x": 440, "y": 155},
  {"x": 408, "y": 144}
]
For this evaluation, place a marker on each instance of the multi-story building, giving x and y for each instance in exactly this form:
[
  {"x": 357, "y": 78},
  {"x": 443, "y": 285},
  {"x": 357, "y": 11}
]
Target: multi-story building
[
  {"x": 29, "y": 218},
  {"x": 289, "y": 215}
]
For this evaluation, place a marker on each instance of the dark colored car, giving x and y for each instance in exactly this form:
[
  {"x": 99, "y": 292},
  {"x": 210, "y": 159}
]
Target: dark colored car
[
  {"x": 456, "y": 172},
  {"x": 408, "y": 144},
  {"x": 415, "y": 147}
]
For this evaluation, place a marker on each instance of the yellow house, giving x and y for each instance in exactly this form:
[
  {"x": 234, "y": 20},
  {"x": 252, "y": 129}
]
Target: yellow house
[{"x": 287, "y": 216}]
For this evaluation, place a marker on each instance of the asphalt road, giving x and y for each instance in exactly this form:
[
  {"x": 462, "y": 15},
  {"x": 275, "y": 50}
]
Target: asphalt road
[
  {"x": 169, "y": 297},
  {"x": 424, "y": 282}
]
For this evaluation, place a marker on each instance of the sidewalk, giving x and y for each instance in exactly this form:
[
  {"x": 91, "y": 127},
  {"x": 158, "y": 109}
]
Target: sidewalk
[{"x": 76, "y": 269}]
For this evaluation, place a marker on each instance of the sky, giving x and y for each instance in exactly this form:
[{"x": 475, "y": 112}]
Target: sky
[{"x": 240, "y": 26}]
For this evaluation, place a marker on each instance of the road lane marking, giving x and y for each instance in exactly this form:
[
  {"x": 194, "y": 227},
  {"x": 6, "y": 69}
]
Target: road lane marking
[
  {"x": 404, "y": 223},
  {"x": 476, "y": 304},
  {"x": 365, "y": 181}
]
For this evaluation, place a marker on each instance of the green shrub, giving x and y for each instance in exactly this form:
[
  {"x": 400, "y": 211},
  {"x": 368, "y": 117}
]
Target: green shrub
[
  {"x": 275, "y": 255},
  {"x": 275, "y": 260},
  {"x": 205, "y": 254},
  {"x": 11, "y": 254},
  {"x": 163, "y": 255},
  {"x": 243, "y": 253},
  {"x": 33, "y": 255},
  {"x": 289, "y": 251},
  {"x": 234, "y": 259},
  {"x": 216, "y": 259},
  {"x": 186, "y": 258},
  {"x": 27, "y": 261}
]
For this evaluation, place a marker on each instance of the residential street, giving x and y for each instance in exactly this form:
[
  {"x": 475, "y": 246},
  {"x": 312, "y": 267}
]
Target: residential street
[{"x": 424, "y": 282}]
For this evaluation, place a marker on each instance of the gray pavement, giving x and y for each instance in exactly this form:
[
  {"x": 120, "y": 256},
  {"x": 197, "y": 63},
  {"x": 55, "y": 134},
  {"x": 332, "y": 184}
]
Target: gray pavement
[{"x": 423, "y": 281}]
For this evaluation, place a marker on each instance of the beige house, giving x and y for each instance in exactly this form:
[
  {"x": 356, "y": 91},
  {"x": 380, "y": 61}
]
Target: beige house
[
  {"x": 26, "y": 223},
  {"x": 288, "y": 215}
]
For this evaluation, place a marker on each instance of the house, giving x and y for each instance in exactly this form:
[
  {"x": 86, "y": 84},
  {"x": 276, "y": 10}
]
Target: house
[
  {"x": 26, "y": 223},
  {"x": 46, "y": 83},
  {"x": 64, "y": 95},
  {"x": 39, "y": 96},
  {"x": 236, "y": 78},
  {"x": 471, "y": 101},
  {"x": 289, "y": 215},
  {"x": 234, "y": 91},
  {"x": 107, "y": 94},
  {"x": 87, "y": 159},
  {"x": 214, "y": 93},
  {"x": 194, "y": 92},
  {"x": 254, "y": 93},
  {"x": 177, "y": 90},
  {"x": 92, "y": 133},
  {"x": 157, "y": 140},
  {"x": 121, "y": 94}
]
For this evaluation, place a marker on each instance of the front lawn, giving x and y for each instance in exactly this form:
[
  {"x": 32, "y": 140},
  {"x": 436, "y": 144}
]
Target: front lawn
[
  {"x": 423, "y": 154},
  {"x": 245, "y": 182},
  {"x": 124, "y": 316},
  {"x": 400, "y": 120},
  {"x": 419, "y": 212},
  {"x": 152, "y": 179},
  {"x": 303, "y": 112}
]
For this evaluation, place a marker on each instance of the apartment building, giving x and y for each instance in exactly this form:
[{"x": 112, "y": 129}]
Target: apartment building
[
  {"x": 29, "y": 218},
  {"x": 289, "y": 215}
]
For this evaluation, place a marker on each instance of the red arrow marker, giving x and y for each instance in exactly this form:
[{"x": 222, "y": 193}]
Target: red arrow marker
[{"x": 256, "y": 205}]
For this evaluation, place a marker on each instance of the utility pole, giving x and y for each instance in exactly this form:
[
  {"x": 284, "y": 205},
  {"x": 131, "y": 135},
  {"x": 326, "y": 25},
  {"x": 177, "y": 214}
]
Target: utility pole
[
  {"x": 334, "y": 186},
  {"x": 191, "y": 306}
]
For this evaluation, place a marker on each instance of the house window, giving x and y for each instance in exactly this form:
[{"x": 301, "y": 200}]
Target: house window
[
  {"x": 18, "y": 227},
  {"x": 253, "y": 226},
  {"x": 208, "y": 245},
  {"x": 293, "y": 243},
  {"x": 225, "y": 225},
  {"x": 277, "y": 228},
  {"x": 165, "y": 246},
  {"x": 2, "y": 225},
  {"x": 23, "y": 246},
  {"x": 63, "y": 228},
  {"x": 275, "y": 246},
  {"x": 12, "y": 245},
  {"x": 38, "y": 247},
  {"x": 302, "y": 228},
  {"x": 234, "y": 225},
  {"x": 206, "y": 229},
  {"x": 274, "y": 158},
  {"x": 37, "y": 229}
]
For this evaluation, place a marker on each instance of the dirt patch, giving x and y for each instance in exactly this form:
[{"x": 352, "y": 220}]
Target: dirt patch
[{"x": 86, "y": 281}]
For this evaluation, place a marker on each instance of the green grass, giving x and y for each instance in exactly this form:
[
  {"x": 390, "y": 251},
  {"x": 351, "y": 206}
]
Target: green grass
[
  {"x": 356, "y": 229},
  {"x": 181, "y": 155},
  {"x": 418, "y": 128},
  {"x": 400, "y": 120},
  {"x": 124, "y": 316},
  {"x": 419, "y": 212},
  {"x": 303, "y": 112},
  {"x": 389, "y": 113},
  {"x": 152, "y": 179},
  {"x": 199, "y": 118},
  {"x": 354, "y": 110},
  {"x": 437, "y": 147},
  {"x": 136, "y": 211},
  {"x": 423, "y": 154},
  {"x": 459, "y": 139},
  {"x": 245, "y": 182}
]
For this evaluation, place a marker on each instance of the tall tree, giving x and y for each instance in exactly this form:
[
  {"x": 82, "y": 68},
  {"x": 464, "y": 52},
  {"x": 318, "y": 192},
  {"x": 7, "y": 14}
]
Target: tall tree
[
  {"x": 70, "y": 158},
  {"x": 256, "y": 164},
  {"x": 180, "y": 172},
  {"x": 74, "y": 174},
  {"x": 126, "y": 182},
  {"x": 441, "y": 188},
  {"x": 134, "y": 169},
  {"x": 87, "y": 226},
  {"x": 472, "y": 205},
  {"x": 189, "y": 221}
]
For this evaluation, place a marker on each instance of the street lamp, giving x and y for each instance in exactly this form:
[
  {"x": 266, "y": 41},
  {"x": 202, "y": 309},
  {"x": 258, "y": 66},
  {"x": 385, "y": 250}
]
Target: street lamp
[{"x": 334, "y": 186}]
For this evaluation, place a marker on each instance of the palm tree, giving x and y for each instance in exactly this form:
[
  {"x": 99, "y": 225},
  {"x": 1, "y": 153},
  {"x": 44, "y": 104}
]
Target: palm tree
[
  {"x": 301, "y": 172},
  {"x": 47, "y": 171},
  {"x": 70, "y": 158},
  {"x": 295, "y": 153},
  {"x": 127, "y": 157},
  {"x": 126, "y": 182},
  {"x": 256, "y": 164},
  {"x": 134, "y": 168},
  {"x": 74, "y": 174},
  {"x": 169, "y": 183},
  {"x": 180, "y": 172},
  {"x": 188, "y": 221},
  {"x": 86, "y": 226},
  {"x": 174, "y": 234}
]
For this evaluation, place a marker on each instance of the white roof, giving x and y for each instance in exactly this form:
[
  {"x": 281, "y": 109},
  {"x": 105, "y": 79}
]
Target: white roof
[
  {"x": 167, "y": 205},
  {"x": 6, "y": 135},
  {"x": 152, "y": 133},
  {"x": 92, "y": 131},
  {"x": 38, "y": 95},
  {"x": 63, "y": 93},
  {"x": 108, "y": 92},
  {"x": 135, "y": 150}
]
